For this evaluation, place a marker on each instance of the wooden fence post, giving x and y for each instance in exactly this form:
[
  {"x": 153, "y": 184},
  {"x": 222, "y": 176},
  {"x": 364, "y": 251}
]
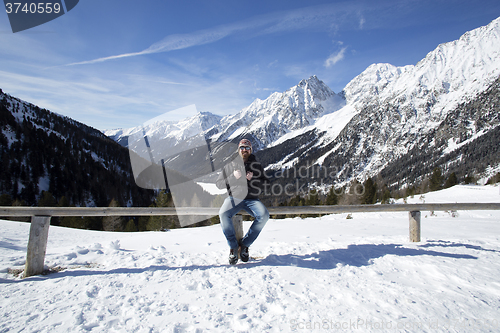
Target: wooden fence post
[
  {"x": 37, "y": 245},
  {"x": 238, "y": 226},
  {"x": 414, "y": 226}
]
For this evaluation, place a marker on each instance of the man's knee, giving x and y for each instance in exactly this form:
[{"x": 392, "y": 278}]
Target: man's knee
[
  {"x": 262, "y": 214},
  {"x": 225, "y": 214},
  {"x": 265, "y": 216}
]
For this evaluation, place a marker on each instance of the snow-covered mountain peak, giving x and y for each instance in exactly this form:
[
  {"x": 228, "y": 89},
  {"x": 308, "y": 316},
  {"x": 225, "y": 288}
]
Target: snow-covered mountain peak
[
  {"x": 264, "y": 121},
  {"x": 313, "y": 87},
  {"x": 312, "y": 83},
  {"x": 267, "y": 120},
  {"x": 490, "y": 32},
  {"x": 461, "y": 67},
  {"x": 372, "y": 81},
  {"x": 167, "y": 129},
  {"x": 202, "y": 120},
  {"x": 392, "y": 110},
  {"x": 410, "y": 102}
]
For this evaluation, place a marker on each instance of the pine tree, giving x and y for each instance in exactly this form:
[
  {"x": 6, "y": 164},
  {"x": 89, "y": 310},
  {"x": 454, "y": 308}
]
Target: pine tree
[
  {"x": 354, "y": 196},
  {"x": 469, "y": 179},
  {"x": 130, "y": 227},
  {"x": 370, "y": 192},
  {"x": 157, "y": 223},
  {"x": 424, "y": 186},
  {"x": 436, "y": 180},
  {"x": 143, "y": 222},
  {"x": 17, "y": 203},
  {"x": 495, "y": 179},
  {"x": 70, "y": 221},
  {"x": 47, "y": 200},
  {"x": 451, "y": 181},
  {"x": 313, "y": 198},
  {"x": 332, "y": 198},
  {"x": 113, "y": 223},
  {"x": 216, "y": 202},
  {"x": 191, "y": 219},
  {"x": 410, "y": 191},
  {"x": 63, "y": 202},
  {"x": 5, "y": 200},
  {"x": 295, "y": 201},
  {"x": 386, "y": 196}
]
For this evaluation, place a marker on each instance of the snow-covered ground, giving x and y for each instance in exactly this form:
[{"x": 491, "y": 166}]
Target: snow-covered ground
[{"x": 307, "y": 275}]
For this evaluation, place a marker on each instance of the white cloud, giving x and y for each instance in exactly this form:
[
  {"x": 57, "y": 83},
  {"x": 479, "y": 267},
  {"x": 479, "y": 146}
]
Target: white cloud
[
  {"x": 272, "y": 64},
  {"x": 334, "y": 58},
  {"x": 175, "y": 42},
  {"x": 122, "y": 100},
  {"x": 277, "y": 22},
  {"x": 361, "y": 22}
]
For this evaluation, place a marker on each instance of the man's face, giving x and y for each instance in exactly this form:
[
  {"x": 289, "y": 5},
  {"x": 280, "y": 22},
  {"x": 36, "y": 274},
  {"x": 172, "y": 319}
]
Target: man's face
[{"x": 244, "y": 151}]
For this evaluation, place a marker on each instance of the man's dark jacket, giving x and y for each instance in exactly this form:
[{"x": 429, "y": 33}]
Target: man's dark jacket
[{"x": 255, "y": 185}]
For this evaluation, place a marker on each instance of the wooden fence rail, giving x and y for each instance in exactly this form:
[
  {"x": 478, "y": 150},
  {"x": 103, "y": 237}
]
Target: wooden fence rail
[
  {"x": 40, "y": 218},
  {"x": 148, "y": 211}
]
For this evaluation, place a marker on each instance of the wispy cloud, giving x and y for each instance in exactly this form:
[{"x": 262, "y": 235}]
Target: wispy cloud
[
  {"x": 157, "y": 80},
  {"x": 335, "y": 58},
  {"x": 173, "y": 42},
  {"x": 362, "y": 22},
  {"x": 285, "y": 21},
  {"x": 121, "y": 100}
]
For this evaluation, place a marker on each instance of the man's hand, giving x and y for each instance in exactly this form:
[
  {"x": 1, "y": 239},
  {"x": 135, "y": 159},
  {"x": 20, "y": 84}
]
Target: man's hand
[{"x": 237, "y": 174}]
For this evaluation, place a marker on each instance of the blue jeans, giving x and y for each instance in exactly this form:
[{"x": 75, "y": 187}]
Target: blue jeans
[{"x": 231, "y": 207}]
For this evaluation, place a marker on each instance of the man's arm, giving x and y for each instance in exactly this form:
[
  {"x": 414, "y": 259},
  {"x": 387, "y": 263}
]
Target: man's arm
[
  {"x": 227, "y": 176},
  {"x": 261, "y": 174},
  {"x": 221, "y": 180},
  {"x": 259, "y": 179}
]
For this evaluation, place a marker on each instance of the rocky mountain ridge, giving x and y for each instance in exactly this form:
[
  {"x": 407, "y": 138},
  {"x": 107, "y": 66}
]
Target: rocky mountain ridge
[{"x": 390, "y": 110}]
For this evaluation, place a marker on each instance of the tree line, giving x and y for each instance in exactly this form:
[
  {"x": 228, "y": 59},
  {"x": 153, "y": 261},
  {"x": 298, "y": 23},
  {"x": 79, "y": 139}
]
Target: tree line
[{"x": 40, "y": 150}]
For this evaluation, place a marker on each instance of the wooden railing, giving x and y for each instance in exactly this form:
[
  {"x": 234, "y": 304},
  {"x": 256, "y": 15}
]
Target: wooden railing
[{"x": 40, "y": 219}]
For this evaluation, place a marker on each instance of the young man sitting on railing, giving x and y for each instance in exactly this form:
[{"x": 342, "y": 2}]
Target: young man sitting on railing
[{"x": 244, "y": 180}]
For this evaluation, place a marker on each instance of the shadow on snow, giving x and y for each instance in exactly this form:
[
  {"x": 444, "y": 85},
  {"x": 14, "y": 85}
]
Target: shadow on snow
[{"x": 353, "y": 255}]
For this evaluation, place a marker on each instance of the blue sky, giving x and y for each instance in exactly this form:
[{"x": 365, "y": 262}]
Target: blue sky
[{"x": 118, "y": 63}]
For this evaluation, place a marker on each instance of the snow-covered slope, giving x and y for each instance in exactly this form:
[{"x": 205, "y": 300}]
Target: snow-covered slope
[{"x": 317, "y": 274}]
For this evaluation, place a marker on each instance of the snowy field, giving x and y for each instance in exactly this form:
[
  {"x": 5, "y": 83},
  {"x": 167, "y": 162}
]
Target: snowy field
[{"x": 328, "y": 274}]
